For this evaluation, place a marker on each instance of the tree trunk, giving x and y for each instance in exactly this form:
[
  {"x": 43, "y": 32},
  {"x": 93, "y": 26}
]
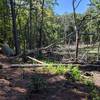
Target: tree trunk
[
  {"x": 76, "y": 30},
  {"x": 98, "y": 31},
  {"x": 15, "y": 35},
  {"x": 30, "y": 26},
  {"x": 98, "y": 51},
  {"x": 41, "y": 29}
]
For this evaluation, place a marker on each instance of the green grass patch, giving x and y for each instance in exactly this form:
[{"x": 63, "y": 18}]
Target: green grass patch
[{"x": 55, "y": 70}]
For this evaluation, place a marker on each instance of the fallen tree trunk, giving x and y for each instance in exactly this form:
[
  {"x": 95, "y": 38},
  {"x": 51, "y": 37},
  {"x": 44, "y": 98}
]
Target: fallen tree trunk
[
  {"x": 83, "y": 67},
  {"x": 34, "y": 59},
  {"x": 35, "y": 65},
  {"x": 32, "y": 65}
]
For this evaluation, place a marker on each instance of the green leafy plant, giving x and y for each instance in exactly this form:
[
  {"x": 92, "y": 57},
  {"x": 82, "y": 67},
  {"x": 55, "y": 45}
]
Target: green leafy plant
[
  {"x": 89, "y": 84},
  {"x": 76, "y": 73},
  {"x": 60, "y": 70},
  {"x": 93, "y": 92}
]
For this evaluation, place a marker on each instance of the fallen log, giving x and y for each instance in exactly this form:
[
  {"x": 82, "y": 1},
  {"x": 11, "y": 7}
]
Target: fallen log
[
  {"x": 88, "y": 67},
  {"x": 34, "y": 59},
  {"x": 34, "y": 65}
]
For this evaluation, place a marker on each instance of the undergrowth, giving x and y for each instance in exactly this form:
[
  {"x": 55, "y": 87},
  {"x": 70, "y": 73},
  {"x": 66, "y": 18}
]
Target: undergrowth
[
  {"x": 60, "y": 70},
  {"x": 75, "y": 72},
  {"x": 94, "y": 93},
  {"x": 38, "y": 83}
]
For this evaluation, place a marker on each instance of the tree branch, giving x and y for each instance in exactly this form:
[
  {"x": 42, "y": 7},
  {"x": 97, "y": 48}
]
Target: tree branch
[{"x": 78, "y": 4}]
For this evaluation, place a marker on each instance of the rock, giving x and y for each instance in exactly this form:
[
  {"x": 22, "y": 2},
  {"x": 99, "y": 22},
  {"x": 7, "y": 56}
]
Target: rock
[{"x": 7, "y": 50}]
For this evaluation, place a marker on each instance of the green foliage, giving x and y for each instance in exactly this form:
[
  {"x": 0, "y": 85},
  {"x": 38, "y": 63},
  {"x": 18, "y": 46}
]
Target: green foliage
[
  {"x": 95, "y": 94},
  {"x": 96, "y": 3},
  {"x": 75, "y": 72},
  {"x": 54, "y": 26},
  {"x": 60, "y": 70},
  {"x": 93, "y": 91},
  {"x": 89, "y": 84}
]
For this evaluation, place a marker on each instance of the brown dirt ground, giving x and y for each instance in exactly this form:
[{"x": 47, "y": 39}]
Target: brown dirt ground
[{"x": 14, "y": 85}]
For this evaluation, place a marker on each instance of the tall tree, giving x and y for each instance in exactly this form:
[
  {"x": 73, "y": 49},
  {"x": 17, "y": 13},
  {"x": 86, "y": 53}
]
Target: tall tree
[
  {"x": 40, "y": 41},
  {"x": 14, "y": 28},
  {"x": 75, "y": 26},
  {"x": 30, "y": 26}
]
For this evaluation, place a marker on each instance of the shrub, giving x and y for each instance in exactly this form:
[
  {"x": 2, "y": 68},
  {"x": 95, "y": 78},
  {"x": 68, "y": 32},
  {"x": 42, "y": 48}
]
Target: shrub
[
  {"x": 94, "y": 93},
  {"x": 90, "y": 84},
  {"x": 76, "y": 73}
]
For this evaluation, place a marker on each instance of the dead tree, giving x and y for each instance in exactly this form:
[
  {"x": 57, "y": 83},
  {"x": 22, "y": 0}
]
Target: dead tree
[{"x": 76, "y": 27}]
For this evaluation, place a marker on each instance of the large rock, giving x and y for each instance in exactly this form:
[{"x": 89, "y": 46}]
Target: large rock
[{"x": 7, "y": 50}]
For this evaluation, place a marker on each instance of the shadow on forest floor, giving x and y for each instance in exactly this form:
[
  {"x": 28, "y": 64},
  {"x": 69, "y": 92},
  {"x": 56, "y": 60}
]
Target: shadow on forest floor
[
  {"x": 61, "y": 89},
  {"x": 14, "y": 85}
]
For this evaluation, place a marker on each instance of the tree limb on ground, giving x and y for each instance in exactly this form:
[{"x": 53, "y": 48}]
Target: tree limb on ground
[
  {"x": 55, "y": 65},
  {"x": 34, "y": 59}
]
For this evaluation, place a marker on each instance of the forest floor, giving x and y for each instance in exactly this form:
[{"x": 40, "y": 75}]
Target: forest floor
[{"x": 14, "y": 85}]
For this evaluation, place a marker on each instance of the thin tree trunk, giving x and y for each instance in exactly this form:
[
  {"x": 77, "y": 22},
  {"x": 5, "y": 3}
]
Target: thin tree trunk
[
  {"x": 76, "y": 31},
  {"x": 15, "y": 35},
  {"x": 41, "y": 29},
  {"x": 4, "y": 16},
  {"x": 65, "y": 30},
  {"x": 98, "y": 54},
  {"x": 30, "y": 26},
  {"x": 98, "y": 51}
]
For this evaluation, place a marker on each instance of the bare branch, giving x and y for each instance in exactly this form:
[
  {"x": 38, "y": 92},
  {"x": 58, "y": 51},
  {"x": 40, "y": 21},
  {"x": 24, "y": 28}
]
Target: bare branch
[{"x": 78, "y": 4}]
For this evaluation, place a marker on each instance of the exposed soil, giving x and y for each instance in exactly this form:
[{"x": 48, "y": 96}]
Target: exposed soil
[{"x": 14, "y": 85}]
